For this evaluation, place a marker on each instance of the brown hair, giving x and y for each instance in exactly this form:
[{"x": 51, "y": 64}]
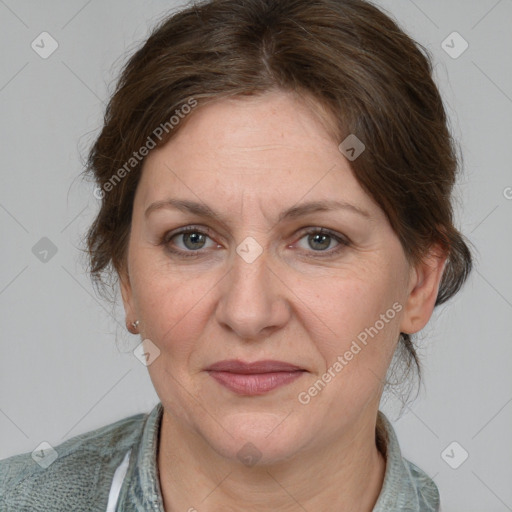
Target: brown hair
[{"x": 347, "y": 55}]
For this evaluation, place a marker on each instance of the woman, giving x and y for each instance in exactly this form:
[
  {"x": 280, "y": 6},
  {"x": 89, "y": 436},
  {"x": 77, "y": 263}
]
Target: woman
[{"x": 276, "y": 183}]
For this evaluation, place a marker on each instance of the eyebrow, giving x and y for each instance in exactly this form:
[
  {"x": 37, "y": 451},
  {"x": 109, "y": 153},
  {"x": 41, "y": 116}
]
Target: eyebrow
[{"x": 294, "y": 212}]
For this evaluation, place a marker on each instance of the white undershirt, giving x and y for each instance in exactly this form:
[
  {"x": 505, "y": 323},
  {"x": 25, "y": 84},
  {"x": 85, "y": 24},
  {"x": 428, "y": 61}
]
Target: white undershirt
[{"x": 117, "y": 482}]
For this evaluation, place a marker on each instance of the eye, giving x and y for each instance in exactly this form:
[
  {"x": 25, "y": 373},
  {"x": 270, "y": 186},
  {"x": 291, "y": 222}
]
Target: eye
[
  {"x": 188, "y": 241},
  {"x": 321, "y": 240}
]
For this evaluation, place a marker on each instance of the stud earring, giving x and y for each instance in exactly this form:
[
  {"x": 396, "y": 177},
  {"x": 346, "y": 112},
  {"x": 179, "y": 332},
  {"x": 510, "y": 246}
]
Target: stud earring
[{"x": 132, "y": 327}]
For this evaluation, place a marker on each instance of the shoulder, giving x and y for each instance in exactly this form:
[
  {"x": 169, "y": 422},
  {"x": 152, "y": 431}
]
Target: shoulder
[{"x": 77, "y": 471}]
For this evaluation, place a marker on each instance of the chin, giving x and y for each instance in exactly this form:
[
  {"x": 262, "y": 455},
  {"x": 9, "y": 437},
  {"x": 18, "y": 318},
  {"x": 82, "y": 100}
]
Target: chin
[{"x": 257, "y": 438}]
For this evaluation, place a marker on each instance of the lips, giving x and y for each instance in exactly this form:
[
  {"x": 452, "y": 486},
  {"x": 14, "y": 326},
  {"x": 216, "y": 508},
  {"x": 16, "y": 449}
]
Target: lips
[
  {"x": 237, "y": 366},
  {"x": 254, "y": 378}
]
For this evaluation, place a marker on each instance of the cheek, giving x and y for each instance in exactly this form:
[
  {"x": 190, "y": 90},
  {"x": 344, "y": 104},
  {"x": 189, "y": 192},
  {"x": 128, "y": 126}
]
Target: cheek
[
  {"x": 354, "y": 325},
  {"x": 175, "y": 307},
  {"x": 347, "y": 304}
]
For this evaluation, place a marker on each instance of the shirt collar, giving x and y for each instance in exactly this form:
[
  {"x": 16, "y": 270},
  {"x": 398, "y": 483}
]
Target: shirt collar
[
  {"x": 405, "y": 486},
  {"x": 141, "y": 487}
]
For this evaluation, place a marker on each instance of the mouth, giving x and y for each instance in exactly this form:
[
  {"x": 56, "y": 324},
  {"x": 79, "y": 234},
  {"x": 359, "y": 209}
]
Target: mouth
[{"x": 256, "y": 378}]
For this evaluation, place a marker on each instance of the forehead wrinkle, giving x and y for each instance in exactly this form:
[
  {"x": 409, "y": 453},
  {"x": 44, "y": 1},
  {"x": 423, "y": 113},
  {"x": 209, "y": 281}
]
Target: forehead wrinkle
[
  {"x": 249, "y": 215},
  {"x": 263, "y": 147}
]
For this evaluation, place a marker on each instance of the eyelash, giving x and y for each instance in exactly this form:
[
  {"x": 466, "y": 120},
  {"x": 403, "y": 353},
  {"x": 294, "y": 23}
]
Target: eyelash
[{"x": 342, "y": 242}]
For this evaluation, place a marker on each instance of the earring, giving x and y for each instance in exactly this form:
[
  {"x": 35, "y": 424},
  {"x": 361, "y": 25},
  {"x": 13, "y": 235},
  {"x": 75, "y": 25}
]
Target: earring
[{"x": 134, "y": 325}]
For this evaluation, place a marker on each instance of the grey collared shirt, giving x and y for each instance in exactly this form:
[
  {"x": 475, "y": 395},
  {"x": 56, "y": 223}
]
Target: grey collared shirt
[{"x": 114, "y": 468}]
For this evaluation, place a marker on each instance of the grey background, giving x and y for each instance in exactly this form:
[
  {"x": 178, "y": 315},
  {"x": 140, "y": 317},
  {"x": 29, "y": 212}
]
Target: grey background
[{"x": 67, "y": 365}]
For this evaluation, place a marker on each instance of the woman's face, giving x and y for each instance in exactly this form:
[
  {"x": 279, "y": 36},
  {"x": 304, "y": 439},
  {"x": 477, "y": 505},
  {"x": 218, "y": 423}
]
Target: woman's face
[{"x": 259, "y": 282}]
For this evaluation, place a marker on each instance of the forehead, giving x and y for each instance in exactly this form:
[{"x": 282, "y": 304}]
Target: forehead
[
  {"x": 272, "y": 147},
  {"x": 248, "y": 124}
]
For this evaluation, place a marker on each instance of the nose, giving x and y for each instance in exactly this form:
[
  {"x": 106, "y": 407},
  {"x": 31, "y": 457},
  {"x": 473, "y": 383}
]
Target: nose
[{"x": 253, "y": 301}]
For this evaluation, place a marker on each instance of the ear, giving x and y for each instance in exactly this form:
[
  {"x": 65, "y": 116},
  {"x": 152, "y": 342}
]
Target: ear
[
  {"x": 424, "y": 282},
  {"x": 127, "y": 295}
]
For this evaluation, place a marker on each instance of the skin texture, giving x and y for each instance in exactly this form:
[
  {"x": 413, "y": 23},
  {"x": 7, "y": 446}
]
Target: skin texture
[{"x": 299, "y": 301}]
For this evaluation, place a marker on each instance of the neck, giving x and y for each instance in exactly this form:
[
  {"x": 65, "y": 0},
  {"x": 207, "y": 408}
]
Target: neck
[{"x": 344, "y": 475}]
